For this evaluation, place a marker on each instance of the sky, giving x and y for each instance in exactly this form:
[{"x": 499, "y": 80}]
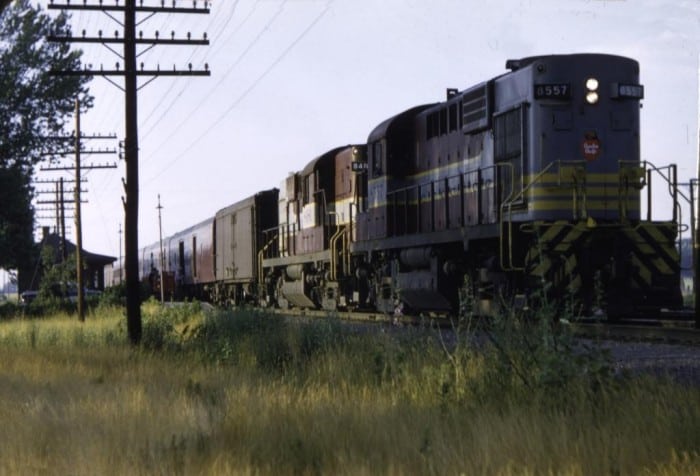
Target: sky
[{"x": 291, "y": 79}]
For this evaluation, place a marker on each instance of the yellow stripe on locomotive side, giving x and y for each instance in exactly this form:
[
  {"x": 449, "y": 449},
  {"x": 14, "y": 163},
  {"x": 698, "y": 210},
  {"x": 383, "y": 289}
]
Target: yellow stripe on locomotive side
[
  {"x": 591, "y": 205},
  {"x": 555, "y": 180},
  {"x": 545, "y": 182}
]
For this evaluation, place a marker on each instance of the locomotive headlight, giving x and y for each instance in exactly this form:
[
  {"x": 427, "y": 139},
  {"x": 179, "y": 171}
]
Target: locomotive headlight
[
  {"x": 592, "y": 91},
  {"x": 591, "y": 97},
  {"x": 592, "y": 84}
]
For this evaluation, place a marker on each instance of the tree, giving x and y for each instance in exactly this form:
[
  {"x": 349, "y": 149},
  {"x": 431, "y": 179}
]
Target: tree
[{"x": 33, "y": 105}]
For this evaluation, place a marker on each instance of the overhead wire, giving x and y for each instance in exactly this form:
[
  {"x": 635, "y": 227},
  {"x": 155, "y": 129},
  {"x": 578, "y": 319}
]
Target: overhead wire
[
  {"x": 226, "y": 74},
  {"x": 220, "y": 45},
  {"x": 173, "y": 82},
  {"x": 208, "y": 130},
  {"x": 217, "y": 30},
  {"x": 98, "y": 55},
  {"x": 113, "y": 97}
]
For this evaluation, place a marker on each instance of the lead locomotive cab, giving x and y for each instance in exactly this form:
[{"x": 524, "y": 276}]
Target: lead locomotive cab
[
  {"x": 526, "y": 181},
  {"x": 566, "y": 126}
]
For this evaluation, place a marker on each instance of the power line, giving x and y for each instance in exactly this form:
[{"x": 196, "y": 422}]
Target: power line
[
  {"x": 223, "y": 78},
  {"x": 215, "y": 37},
  {"x": 245, "y": 93}
]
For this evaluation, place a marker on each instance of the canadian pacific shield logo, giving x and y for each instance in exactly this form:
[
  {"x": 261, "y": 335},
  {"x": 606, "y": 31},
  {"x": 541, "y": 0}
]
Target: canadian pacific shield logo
[{"x": 591, "y": 146}]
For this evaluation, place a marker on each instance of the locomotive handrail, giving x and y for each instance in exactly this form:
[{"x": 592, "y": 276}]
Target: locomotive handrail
[
  {"x": 670, "y": 175},
  {"x": 331, "y": 246},
  {"x": 508, "y": 202},
  {"x": 629, "y": 171},
  {"x": 671, "y": 181},
  {"x": 339, "y": 234},
  {"x": 261, "y": 253},
  {"x": 391, "y": 195}
]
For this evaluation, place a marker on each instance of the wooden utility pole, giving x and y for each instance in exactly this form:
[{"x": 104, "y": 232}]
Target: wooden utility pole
[
  {"x": 78, "y": 224},
  {"x": 131, "y": 153},
  {"x": 696, "y": 240},
  {"x": 120, "y": 254},
  {"x": 57, "y": 206},
  {"x": 162, "y": 255},
  {"x": 131, "y": 146},
  {"x": 78, "y": 151},
  {"x": 62, "y": 223}
]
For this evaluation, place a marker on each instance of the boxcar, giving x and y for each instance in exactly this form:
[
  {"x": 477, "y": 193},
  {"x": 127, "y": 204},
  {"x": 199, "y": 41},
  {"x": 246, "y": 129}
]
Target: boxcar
[{"x": 239, "y": 239}]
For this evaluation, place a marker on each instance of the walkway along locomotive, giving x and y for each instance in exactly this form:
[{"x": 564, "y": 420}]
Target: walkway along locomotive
[{"x": 530, "y": 181}]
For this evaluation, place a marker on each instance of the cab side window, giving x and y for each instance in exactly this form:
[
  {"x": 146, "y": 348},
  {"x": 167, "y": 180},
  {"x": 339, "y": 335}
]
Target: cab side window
[
  {"x": 377, "y": 159},
  {"x": 509, "y": 133}
]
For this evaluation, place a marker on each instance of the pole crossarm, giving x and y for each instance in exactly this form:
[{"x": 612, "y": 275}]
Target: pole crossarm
[
  {"x": 56, "y": 202},
  {"x": 53, "y": 192},
  {"x": 139, "y": 41},
  {"x": 91, "y": 166},
  {"x": 82, "y": 151},
  {"x": 46, "y": 217},
  {"x": 82, "y": 180},
  {"x": 142, "y": 72},
  {"x": 71, "y": 137},
  {"x": 67, "y": 208},
  {"x": 138, "y": 9}
]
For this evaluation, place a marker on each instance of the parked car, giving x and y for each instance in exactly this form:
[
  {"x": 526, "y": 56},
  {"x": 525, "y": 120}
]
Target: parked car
[{"x": 27, "y": 297}]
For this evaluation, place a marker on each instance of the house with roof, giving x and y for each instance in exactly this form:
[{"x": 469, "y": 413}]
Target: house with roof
[{"x": 29, "y": 277}]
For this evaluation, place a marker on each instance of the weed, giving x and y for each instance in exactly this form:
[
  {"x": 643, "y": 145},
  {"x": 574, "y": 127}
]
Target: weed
[{"x": 311, "y": 398}]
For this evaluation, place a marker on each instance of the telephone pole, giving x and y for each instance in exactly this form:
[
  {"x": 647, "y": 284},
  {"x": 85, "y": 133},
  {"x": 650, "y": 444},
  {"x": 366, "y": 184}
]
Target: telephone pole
[
  {"x": 696, "y": 237},
  {"x": 78, "y": 224},
  {"x": 77, "y": 151},
  {"x": 120, "y": 255},
  {"x": 57, "y": 206},
  {"x": 130, "y": 73},
  {"x": 162, "y": 255}
]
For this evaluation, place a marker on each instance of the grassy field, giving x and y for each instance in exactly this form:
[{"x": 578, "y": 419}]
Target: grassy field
[{"x": 252, "y": 394}]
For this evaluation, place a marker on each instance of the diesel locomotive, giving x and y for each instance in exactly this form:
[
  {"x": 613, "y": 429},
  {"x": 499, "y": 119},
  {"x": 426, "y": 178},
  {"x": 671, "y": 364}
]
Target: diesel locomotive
[{"x": 527, "y": 186}]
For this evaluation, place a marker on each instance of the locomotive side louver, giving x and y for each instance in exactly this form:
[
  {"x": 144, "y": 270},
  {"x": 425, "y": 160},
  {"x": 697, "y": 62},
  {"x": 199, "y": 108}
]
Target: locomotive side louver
[{"x": 476, "y": 109}]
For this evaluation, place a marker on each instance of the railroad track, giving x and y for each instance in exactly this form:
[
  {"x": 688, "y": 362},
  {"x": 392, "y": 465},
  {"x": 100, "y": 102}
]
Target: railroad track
[
  {"x": 672, "y": 329},
  {"x": 642, "y": 330}
]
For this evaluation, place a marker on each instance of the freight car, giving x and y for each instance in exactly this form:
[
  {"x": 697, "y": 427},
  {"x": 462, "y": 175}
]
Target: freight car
[
  {"x": 526, "y": 186},
  {"x": 239, "y": 242},
  {"x": 216, "y": 259}
]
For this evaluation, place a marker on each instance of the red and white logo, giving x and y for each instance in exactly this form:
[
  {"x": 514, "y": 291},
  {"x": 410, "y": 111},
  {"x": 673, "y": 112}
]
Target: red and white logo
[{"x": 591, "y": 147}]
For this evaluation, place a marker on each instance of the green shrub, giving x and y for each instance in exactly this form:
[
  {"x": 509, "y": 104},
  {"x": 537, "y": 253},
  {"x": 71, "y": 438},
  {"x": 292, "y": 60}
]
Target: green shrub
[
  {"x": 266, "y": 341},
  {"x": 529, "y": 355},
  {"x": 10, "y": 310}
]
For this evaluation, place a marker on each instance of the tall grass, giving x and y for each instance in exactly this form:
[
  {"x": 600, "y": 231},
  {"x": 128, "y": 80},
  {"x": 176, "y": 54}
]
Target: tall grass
[{"x": 250, "y": 393}]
